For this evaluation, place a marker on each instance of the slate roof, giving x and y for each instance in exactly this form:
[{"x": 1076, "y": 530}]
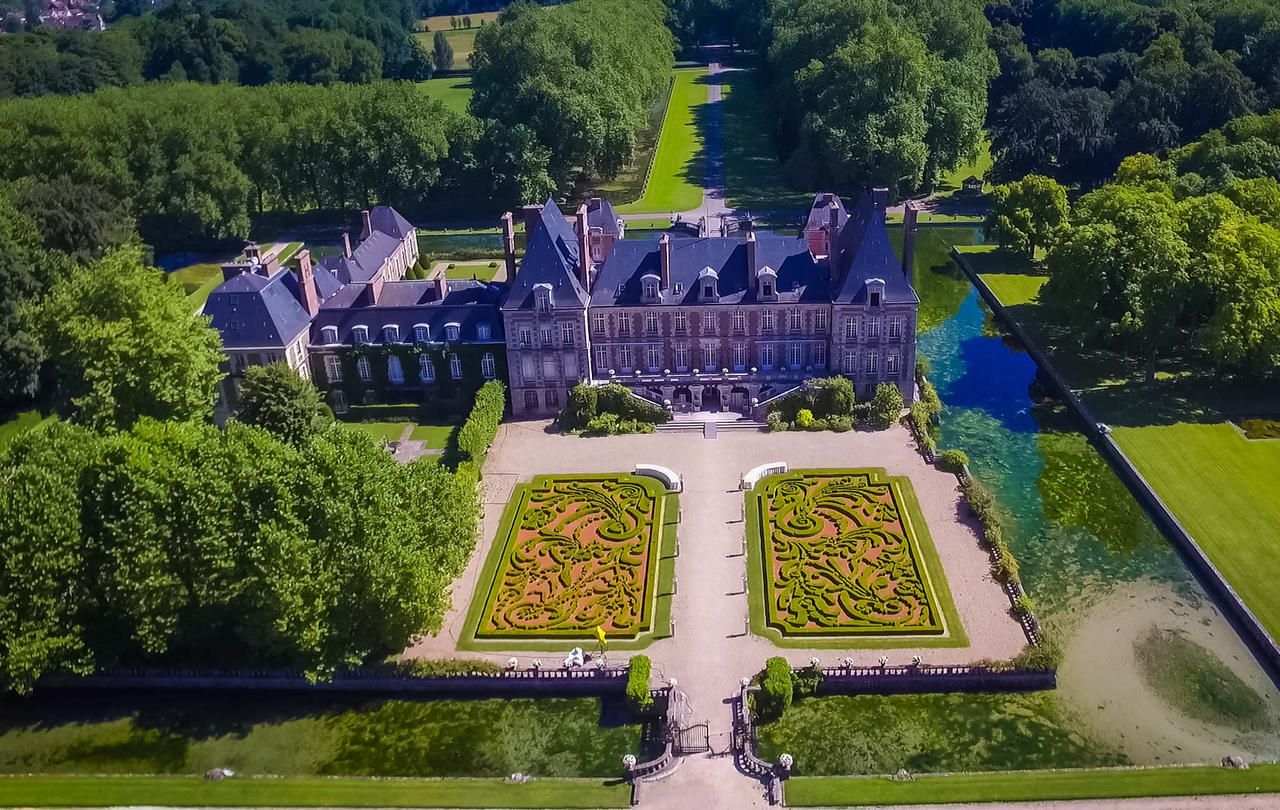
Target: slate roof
[
  {"x": 864, "y": 253},
  {"x": 368, "y": 258},
  {"x": 820, "y": 210},
  {"x": 387, "y": 220},
  {"x": 251, "y": 310},
  {"x": 801, "y": 277},
  {"x": 551, "y": 257},
  {"x": 408, "y": 303},
  {"x": 600, "y": 214}
]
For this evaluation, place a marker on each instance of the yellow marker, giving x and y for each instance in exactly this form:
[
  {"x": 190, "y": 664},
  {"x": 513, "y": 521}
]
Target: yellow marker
[{"x": 600, "y": 634}]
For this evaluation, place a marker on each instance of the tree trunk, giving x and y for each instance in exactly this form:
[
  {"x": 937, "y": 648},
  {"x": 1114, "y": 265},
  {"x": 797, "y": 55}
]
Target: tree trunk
[{"x": 1151, "y": 366}]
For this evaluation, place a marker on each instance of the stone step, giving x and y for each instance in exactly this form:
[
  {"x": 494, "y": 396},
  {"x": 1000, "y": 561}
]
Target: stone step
[
  {"x": 743, "y": 424},
  {"x": 679, "y": 427}
]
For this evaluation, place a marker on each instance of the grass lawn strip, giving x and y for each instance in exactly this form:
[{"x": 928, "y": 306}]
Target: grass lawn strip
[
  {"x": 835, "y": 791},
  {"x": 942, "y": 627},
  {"x": 675, "y": 176},
  {"x": 650, "y": 613},
  {"x": 453, "y": 92},
  {"x": 108, "y": 791}
]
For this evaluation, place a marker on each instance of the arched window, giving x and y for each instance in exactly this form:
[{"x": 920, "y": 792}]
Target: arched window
[
  {"x": 329, "y": 335},
  {"x": 395, "y": 372},
  {"x": 422, "y": 333},
  {"x": 451, "y": 331},
  {"x": 391, "y": 333},
  {"x": 360, "y": 334},
  {"x": 426, "y": 368}
]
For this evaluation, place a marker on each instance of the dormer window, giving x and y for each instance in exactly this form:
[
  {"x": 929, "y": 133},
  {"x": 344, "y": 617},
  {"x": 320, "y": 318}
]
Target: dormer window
[
  {"x": 483, "y": 331},
  {"x": 767, "y": 289},
  {"x": 390, "y": 333},
  {"x": 768, "y": 279},
  {"x": 542, "y": 298},
  {"x": 451, "y": 331},
  {"x": 329, "y": 335},
  {"x": 360, "y": 335},
  {"x": 650, "y": 288},
  {"x": 708, "y": 282},
  {"x": 421, "y": 333},
  {"x": 875, "y": 299},
  {"x": 875, "y": 292},
  {"x": 679, "y": 288}
]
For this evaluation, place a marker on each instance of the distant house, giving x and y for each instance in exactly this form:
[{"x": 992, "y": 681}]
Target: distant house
[
  {"x": 355, "y": 327},
  {"x": 971, "y": 184}
]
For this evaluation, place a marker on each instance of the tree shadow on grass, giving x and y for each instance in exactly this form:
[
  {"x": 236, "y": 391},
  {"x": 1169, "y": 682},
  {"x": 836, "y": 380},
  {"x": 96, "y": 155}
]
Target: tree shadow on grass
[{"x": 753, "y": 176}]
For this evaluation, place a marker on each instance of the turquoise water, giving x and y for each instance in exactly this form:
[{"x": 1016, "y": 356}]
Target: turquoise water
[{"x": 1103, "y": 579}]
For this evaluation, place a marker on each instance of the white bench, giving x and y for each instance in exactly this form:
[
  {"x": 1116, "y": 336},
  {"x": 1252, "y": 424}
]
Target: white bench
[
  {"x": 669, "y": 478},
  {"x": 752, "y": 476}
]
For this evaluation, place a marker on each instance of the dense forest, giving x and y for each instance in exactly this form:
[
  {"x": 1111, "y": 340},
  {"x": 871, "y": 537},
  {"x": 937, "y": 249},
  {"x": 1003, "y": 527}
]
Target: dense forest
[{"x": 220, "y": 41}]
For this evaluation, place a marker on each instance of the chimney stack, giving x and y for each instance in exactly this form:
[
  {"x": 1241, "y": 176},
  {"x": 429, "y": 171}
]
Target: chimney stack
[
  {"x": 909, "y": 228},
  {"x": 375, "y": 288},
  {"x": 532, "y": 213},
  {"x": 441, "y": 281},
  {"x": 509, "y": 245},
  {"x": 307, "y": 283},
  {"x": 584, "y": 248},
  {"x": 753, "y": 266},
  {"x": 833, "y": 240},
  {"x": 880, "y": 198},
  {"x": 346, "y": 245},
  {"x": 368, "y": 224},
  {"x": 664, "y": 261},
  {"x": 252, "y": 252}
]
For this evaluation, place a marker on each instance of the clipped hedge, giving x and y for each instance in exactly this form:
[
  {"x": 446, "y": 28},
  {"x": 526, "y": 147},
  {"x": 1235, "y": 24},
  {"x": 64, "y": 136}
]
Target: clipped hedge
[
  {"x": 588, "y": 403},
  {"x": 478, "y": 432},
  {"x": 822, "y": 397},
  {"x": 447, "y": 667},
  {"x": 776, "y": 690},
  {"x": 638, "y": 673},
  {"x": 953, "y": 461}
]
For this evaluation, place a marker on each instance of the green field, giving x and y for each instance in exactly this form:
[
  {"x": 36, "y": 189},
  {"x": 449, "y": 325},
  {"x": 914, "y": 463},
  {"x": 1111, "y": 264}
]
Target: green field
[
  {"x": 453, "y": 92},
  {"x": 753, "y": 176},
  {"x": 197, "y": 280},
  {"x": 675, "y": 175},
  {"x": 1032, "y": 786},
  {"x": 114, "y": 791},
  {"x": 18, "y": 424},
  {"x": 977, "y": 167},
  {"x": 462, "y": 41},
  {"x": 1221, "y": 486}
]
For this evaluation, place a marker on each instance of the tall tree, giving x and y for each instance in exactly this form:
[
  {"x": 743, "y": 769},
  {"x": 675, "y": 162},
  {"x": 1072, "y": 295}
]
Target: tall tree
[
  {"x": 278, "y": 399},
  {"x": 442, "y": 51},
  {"x": 122, "y": 344},
  {"x": 1027, "y": 214}
]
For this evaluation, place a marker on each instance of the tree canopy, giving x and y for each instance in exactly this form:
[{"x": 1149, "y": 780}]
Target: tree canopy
[
  {"x": 1027, "y": 214},
  {"x": 277, "y": 399}
]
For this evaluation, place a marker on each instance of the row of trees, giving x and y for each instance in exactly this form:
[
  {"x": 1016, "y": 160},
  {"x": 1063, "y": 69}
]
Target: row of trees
[
  {"x": 224, "y": 41},
  {"x": 1085, "y": 82},
  {"x": 1165, "y": 261},
  {"x": 868, "y": 91},
  {"x": 181, "y": 542}
]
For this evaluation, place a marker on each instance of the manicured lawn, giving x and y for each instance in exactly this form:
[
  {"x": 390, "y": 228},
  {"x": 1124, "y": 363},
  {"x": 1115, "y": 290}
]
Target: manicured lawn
[
  {"x": 1013, "y": 288},
  {"x": 482, "y": 270},
  {"x": 104, "y": 791},
  {"x": 387, "y": 431},
  {"x": 1225, "y": 490},
  {"x": 753, "y": 175},
  {"x": 197, "y": 280},
  {"x": 19, "y": 424},
  {"x": 1032, "y": 786},
  {"x": 436, "y": 436},
  {"x": 676, "y": 174},
  {"x": 453, "y": 92},
  {"x": 287, "y": 251},
  {"x": 843, "y": 558},
  {"x": 978, "y": 167}
]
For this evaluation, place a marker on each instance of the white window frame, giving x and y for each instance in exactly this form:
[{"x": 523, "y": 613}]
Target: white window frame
[
  {"x": 568, "y": 335},
  {"x": 455, "y": 366},
  {"x": 795, "y": 354},
  {"x": 653, "y": 357},
  {"x": 364, "y": 369},
  {"x": 682, "y": 323},
  {"x": 452, "y": 332},
  {"x": 682, "y": 356},
  {"x": 795, "y": 322},
  {"x": 598, "y": 324},
  {"x": 426, "y": 368},
  {"x": 421, "y": 333},
  {"x": 359, "y": 335},
  {"x": 651, "y": 323},
  {"x": 739, "y": 356},
  {"x": 390, "y": 333},
  {"x": 739, "y": 321},
  {"x": 710, "y": 357},
  {"x": 395, "y": 371},
  {"x": 484, "y": 331},
  {"x": 333, "y": 368},
  {"x": 601, "y": 357},
  {"x": 625, "y": 358},
  {"x": 526, "y": 337},
  {"x": 766, "y": 322},
  {"x": 708, "y": 322},
  {"x": 329, "y": 335},
  {"x": 488, "y": 366},
  {"x": 766, "y": 356}
]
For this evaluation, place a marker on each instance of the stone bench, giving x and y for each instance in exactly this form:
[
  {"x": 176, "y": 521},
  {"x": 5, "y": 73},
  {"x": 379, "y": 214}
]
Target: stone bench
[
  {"x": 752, "y": 476},
  {"x": 669, "y": 478}
]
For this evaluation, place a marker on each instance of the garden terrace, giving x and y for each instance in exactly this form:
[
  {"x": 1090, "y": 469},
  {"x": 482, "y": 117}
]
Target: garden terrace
[
  {"x": 844, "y": 553},
  {"x": 573, "y": 554}
]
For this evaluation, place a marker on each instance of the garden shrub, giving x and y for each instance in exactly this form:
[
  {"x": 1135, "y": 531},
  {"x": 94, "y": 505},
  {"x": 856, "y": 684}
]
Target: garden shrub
[
  {"x": 606, "y": 424},
  {"x": 776, "y": 422},
  {"x": 886, "y": 406},
  {"x": 588, "y": 402},
  {"x": 638, "y": 672},
  {"x": 478, "y": 432},
  {"x": 1045, "y": 655},
  {"x": 840, "y": 424},
  {"x": 804, "y": 418},
  {"x": 1023, "y": 606},
  {"x": 953, "y": 461},
  {"x": 822, "y": 397},
  {"x": 776, "y": 690},
  {"x": 493, "y": 265},
  {"x": 581, "y": 408},
  {"x": 807, "y": 681},
  {"x": 446, "y": 667}
]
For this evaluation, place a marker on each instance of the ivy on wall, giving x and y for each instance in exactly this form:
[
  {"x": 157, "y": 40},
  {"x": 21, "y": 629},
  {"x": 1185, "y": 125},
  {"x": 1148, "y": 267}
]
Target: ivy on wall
[{"x": 444, "y": 389}]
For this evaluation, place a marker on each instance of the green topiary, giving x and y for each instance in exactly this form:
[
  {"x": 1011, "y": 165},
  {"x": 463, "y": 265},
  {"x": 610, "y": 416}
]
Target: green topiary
[
  {"x": 776, "y": 690},
  {"x": 804, "y": 418},
  {"x": 953, "y": 461},
  {"x": 807, "y": 681},
  {"x": 638, "y": 672}
]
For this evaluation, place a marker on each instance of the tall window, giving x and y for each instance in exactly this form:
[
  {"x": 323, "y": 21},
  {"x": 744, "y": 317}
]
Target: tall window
[
  {"x": 422, "y": 333},
  {"x": 333, "y": 368},
  {"x": 601, "y": 355},
  {"x": 873, "y": 328},
  {"x": 624, "y": 357},
  {"x": 526, "y": 337},
  {"x": 682, "y": 356},
  {"x": 895, "y": 328},
  {"x": 547, "y": 335},
  {"x": 766, "y": 322},
  {"x": 653, "y": 357},
  {"x": 891, "y": 363},
  {"x": 566, "y": 334},
  {"x": 426, "y": 368},
  {"x": 797, "y": 355},
  {"x": 455, "y": 366},
  {"x": 553, "y": 398},
  {"x": 487, "y": 366},
  {"x": 597, "y": 323},
  {"x": 682, "y": 323},
  {"x": 550, "y": 370},
  {"x": 651, "y": 323},
  {"x": 483, "y": 331},
  {"x": 395, "y": 372},
  {"x": 875, "y": 299},
  {"x": 739, "y": 321},
  {"x": 543, "y": 300},
  {"x": 651, "y": 289},
  {"x": 766, "y": 357},
  {"x": 820, "y": 321},
  {"x": 708, "y": 322},
  {"x": 872, "y": 362},
  {"x": 819, "y": 352},
  {"x": 739, "y": 356},
  {"x": 624, "y": 326},
  {"x": 850, "y": 328},
  {"x": 364, "y": 369},
  {"x": 531, "y": 400},
  {"x": 793, "y": 321},
  {"x": 708, "y": 358},
  {"x": 850, "y": 362}
]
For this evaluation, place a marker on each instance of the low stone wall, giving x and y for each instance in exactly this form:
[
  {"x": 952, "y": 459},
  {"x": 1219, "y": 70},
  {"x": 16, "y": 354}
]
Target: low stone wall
[
  {"x": 516, "y": 683},
  {"x": 915, "y": 680},
  {"x": 1246, "y": 624}
]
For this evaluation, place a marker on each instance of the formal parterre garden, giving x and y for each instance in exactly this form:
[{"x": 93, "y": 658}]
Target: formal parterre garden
[
  {"x": 574, "y": 555},
  {"x": 845, "y": 555}
]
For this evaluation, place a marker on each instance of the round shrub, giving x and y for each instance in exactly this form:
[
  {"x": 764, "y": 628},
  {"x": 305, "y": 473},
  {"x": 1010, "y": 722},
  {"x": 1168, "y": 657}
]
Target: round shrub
[
  {"x": 452, "y": 265},
  {"x": 953, "y": 461},
  {"x": 804, "y": 418},
  {"x": 776, "y": 690},
  {"x": 840, "y": 424},
  {"x": 776, "y": 422},
  {"x": 493, "y": 264}
]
